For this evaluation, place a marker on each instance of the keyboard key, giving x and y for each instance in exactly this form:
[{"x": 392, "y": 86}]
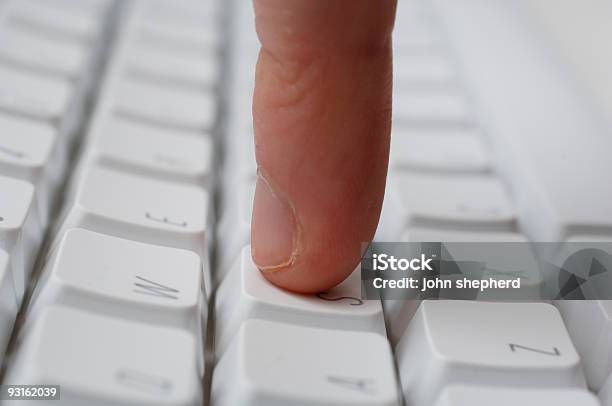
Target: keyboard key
[
  {"x": 123, "y": 279},
  {"x": 8, "y": 302},
  {"x": 186, "y": 28},
  {"x": 234, "y": 230},
  {"x": 142, "y": 209},
  {"x": 475, "y": 203},
  {"x": 157, "y": 65},
  {"x": 494, "y": 344},
  {"x": 31, "y": 152},
  {"x": 429, "y": 151},
  {"x": 505, "y": 255},
  {"x": 279, "y": 364},
  {"x": 605, "y": 394},
  {"x": 184, "y": 109},
  {"x": 246, "y": 294},
  {"x": 34, "y": 96},
  {"x": 98, "y": 359},
  {"x": 38, "y": 52},
  {"x": 61, "y": 22},
  {"x": 159, "y": 153},
  {"x": 430, "y": 69},
  {"x": 20, "y": 229},
  {"x": 430, "y": 108},
  {"x": 472, "y": 395},
  {"x": 589, "y": 323}
]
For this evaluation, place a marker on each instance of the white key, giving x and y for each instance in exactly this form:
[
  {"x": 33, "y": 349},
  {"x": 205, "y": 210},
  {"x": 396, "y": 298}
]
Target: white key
[
  {"x": 547, "y": 155},
  {"x": 106, "y": 361},
  {"x": 605, "y": 394},
  {"x": 168, "y": 24},
  {"x": 590, "y": 325},
  {"x": 430, "y": 107},
  {"x": 499, "y": 344},
  {"x": 473, "y": 395},
  {"x": 418, "y": 70},
  {"x": 181, "y": 108},
  {"x": 41, "y": 53},
  {"x": 477, "y": 203},
  {"x": 174, "y": 39},
  {"x": 589, "y": 322},
  {"x": 147, "y": 150},
  {"x": 31, "y": 151},
  {"x": 234, "y": 231},
  {"x": 517, "y": 260},
  {"x": 399, "y": 313},
  {"x": 8, "y": 302},
  {"x": 158, "y": 65},
  {"x": 276, "y": 364},
  {"x": 88, "y": 7},
  {"x": 123, "y": 279},
  {"x": 246, "y": 294},
  {"x": 142, "y": 209},
  {"x": 433, "y": 152},
  {"x": 58, "y": 21},
  {"x": 20, "y": 229},
  {"x": 33, "y": 96}
]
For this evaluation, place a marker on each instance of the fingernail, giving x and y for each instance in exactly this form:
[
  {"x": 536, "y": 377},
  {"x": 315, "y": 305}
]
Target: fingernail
[{"x": 275, "y": 229}]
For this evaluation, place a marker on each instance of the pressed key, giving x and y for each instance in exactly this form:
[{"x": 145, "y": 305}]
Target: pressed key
[
  {"x": 474, "y": 395},
  {"x": 8, "y": 302},
  {"x": 158, "y": 65},
  {"x": 188, "y": 109},
  {"x": 106, "y": 361},
  {"x": 123, "y": 279},
  {"x": 31, "y": 151},
  {"x": 473, "y": 203},
  {"x": 38, "y": 52},
  {"x": 20, "y": 229},
  {"x": 431, "y": 151},
  {"x": 246, "y": 294},
  {"x": 498, "y": 344},
  {"x": 142, "y": 209},
  {"x": 276, "y": 364},
  {"x": 32, "y": 95},
  {"x": 157, "y": 152}
]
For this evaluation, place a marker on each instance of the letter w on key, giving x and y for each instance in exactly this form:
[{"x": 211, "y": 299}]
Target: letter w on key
[{"x": 154, "y": 289}]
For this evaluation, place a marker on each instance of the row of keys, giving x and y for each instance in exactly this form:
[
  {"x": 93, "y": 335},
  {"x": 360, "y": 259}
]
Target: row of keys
[
  {"x": 44, "y": 82},
  {"x": 127, "y": 273},
  {"x": 442, "y": 186}
]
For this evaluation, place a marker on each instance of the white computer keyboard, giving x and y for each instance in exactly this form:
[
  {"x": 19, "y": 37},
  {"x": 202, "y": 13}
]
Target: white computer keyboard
[{"x": 127, "y": 175}]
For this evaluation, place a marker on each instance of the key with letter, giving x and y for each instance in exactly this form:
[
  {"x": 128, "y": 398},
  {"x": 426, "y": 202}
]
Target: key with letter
[
  {"x": 246, "y": 294},
  {"x": 123, "y": 279},
  {"x": 101, "y": 360},
  {"x": 277, "y": 364},
  {"x": 503, "y": 344}
]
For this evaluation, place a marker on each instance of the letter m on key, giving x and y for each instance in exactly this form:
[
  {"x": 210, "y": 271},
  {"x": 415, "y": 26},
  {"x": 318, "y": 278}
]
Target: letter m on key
[{"x": 148, "y": 287}]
